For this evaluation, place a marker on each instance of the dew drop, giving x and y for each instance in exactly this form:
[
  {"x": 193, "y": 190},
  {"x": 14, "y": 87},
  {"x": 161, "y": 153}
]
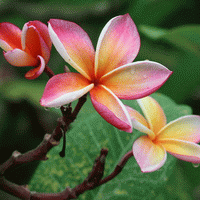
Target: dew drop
[{"x": 195, "y": 165}]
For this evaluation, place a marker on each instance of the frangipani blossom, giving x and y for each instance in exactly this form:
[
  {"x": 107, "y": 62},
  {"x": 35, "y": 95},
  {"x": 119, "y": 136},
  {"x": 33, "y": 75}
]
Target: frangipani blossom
[
  {"x": 178, "y": 138},
  {"x": 30, "y": 46},
  {"x": 107, "y": 74}
]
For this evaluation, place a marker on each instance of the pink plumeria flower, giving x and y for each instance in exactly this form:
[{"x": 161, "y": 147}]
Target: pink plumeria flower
[
  {"x": 107, "y": 74},
  {"x": 30, "y": 46},
  {"x": 178, "y": 138}
]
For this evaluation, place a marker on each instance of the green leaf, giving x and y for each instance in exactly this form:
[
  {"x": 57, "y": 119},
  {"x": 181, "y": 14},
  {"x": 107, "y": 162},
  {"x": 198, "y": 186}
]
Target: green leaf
[
  {"x": 178, "y": 187},
  {"x": 151, "y": 12},
  {"x": 179, "y": 50},
  {"x": 185, "y": 37},
  {"x": 17, "y": 90},
  {"x": 88, "y": 135},
  {"x": 153, "y": 33}
]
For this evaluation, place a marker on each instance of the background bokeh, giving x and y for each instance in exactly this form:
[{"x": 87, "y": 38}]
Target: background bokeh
[{"x": 170, "y": 34}]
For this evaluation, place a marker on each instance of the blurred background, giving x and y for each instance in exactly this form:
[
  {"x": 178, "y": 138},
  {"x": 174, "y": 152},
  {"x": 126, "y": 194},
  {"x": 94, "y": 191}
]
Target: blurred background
[{"x": 170, "y": 35}]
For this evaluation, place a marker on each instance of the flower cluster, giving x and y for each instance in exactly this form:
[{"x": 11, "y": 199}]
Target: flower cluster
[{"x": 109, "y": 75}]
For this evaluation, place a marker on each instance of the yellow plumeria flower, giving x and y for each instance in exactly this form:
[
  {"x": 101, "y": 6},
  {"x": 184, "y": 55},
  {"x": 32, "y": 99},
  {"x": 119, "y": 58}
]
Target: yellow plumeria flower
[{"x": 178, "y": 138}]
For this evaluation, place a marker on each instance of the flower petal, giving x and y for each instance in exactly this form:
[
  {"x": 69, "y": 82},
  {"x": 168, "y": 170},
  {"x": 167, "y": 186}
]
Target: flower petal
[
  {"x": 5, "y": 46},
  {"x": 118, "y": 44},
  {"x": 139, "y": 122},
  {"x": 35, "y": 72},
  {"x": 33, "y": 43},
  {"x": 110, "y": 108},
  {"x": 10, "y": 36},
  {"x": 74, "y": 45},
  {"x": 64, "y": 88},
  {"x": 153, "y": 112},
  {"x": 184, "y": 150},
  {"x": 149, "y": 156},
  {"x": 43, "y": 31},
  {"x": 136, "y": 80},
  {"x": 20, "y": 58},
  {"x": 185, "y": 128}
]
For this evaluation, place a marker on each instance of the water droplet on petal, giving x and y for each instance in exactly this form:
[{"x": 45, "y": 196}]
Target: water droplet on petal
[{"x": 195, "y": 165}]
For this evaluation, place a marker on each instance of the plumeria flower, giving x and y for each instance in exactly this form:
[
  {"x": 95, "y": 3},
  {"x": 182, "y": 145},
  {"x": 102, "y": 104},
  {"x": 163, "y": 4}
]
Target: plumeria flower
[
  {"x": 178, "y": 138},
  {"x": 30, "y": 46},
  {"x": 107, "y": 74}
]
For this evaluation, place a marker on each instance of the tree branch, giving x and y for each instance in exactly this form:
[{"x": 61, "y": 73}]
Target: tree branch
[
  {"x": 39, "y": 153},
  {"x": 94, "y": 178}
]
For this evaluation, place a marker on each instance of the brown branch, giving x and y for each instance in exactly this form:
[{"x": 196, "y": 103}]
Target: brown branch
[
  {"x": 39, "y": 153},
  {"x": 48, "y": 71},
  {"x": 118, "y": 168},
  {"x": 94, "y": 178}
]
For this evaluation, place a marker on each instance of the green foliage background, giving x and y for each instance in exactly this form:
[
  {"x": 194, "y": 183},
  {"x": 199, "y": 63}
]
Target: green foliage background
[{"x": 169, "y": 33}]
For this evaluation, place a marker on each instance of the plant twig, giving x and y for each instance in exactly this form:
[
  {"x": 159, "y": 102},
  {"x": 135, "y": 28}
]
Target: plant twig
[
  {"x": 48, "y": 71},
  {"x": 94, "y": 178},
  {"x": 39, "y": 153}
]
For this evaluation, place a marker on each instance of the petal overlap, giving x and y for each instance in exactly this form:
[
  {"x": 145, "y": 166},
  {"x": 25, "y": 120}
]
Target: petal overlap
[
  {"x": 178, "y": 138},
  {"x": 153, "y": 113},
  {"x": 148, "y": 155},
  {"x": 118, "y": 44},
  {"x": 30, "y": 46},
  {"x": 35, "y": 72},
  {"x": 110, "y": 108},
  {"x": 74, "y": 45},
  {"x": 139, "y": 122},
  {"x": 43, "y": 31}
]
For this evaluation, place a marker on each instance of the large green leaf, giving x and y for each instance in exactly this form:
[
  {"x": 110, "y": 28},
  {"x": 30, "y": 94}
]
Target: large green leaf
[
  {"x": 177, "y": 49},
  {"x": 87, "y": 136}
]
